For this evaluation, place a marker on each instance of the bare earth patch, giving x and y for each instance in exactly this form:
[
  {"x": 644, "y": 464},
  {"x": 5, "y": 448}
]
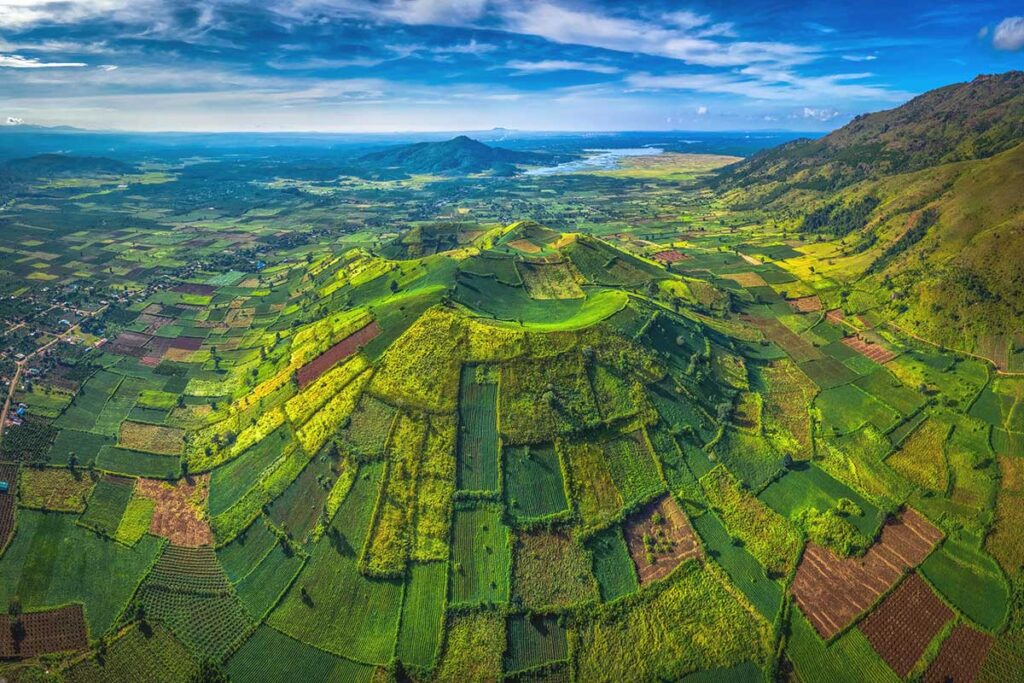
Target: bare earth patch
[
  {"x": 806, "y": 304},
  {"x": 874, "y": 351},
  {"x": 660, "y": 538},
  {"x": 178, "y": 515},
  {"x": 960, "y": 657},
  {"x": 902, "y": 626},
  {"x": 832, "y": 591}
]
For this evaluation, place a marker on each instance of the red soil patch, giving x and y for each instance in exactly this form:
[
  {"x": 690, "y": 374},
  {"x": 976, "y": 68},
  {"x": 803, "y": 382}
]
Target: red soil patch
[
  {"x": 832, "y": 591},
  {"x": 55, "y": 630},
  {"x": 193, "y": 288},
  {"x": 8, "y": 473},
  {"x": 835, "y": 316},
  {"x": 670, "y": 256},
  {"x": 187, "y": 343},
  {"x": 806, "y": 304},
  {"x": 340, "y": 351},
  {"x": 154, "y": 351},
  {"x": 176, "y": 516},
  {"x": 902, "y": 626},
  {"x": 960, "y": 657},
  {"x": 875, "y": 352},
  {"x": 669, "y": 542}
]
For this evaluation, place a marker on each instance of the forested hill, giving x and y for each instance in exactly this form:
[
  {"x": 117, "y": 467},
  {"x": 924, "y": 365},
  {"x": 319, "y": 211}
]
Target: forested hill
[
  {"x": 458, "y": 156},
  {"x": 959, "y": 122}
]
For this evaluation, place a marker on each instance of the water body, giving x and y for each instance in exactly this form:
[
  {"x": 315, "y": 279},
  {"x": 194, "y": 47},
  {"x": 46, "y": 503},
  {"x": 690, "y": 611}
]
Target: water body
[{"x": 597, "y": 160}]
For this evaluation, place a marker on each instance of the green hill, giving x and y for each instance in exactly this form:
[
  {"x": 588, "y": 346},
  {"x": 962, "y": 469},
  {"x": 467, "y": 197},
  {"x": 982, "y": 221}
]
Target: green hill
[
  {"x": 927, "y": 197},
  {"x": 459, "y": 156}
]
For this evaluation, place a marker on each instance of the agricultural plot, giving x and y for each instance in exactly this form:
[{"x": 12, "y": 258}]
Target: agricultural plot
[
  {"x": 262, "y": 588},
  {"x": 8, "y": 502},
  {"x": 151, "y": 438},
  {"x": 660, "y": 538},
  {"x": 299, "y": 508},
  {"x": 47, "y": 632},
  {"x": 814, "y": 661},
  {"x": 474, "y": 647},
  {"x": 662, "y": 635},
  {"x": 921, "y": 458},
  {"x": 422, "y": 625},
  {"x": 269, "y": 656},
  {"x": 532, "y": 413},
  {"x": 369, "y": 426},
  {"x": 84, "y": 446},
  {"x": 769, "y": 537},
  {"x": 549, "y": 280},
  {"x": 534, "y": 485},
  {"x": 478, "y": 433},
  {"x": 903, "y": 625},
  {"x": 632, "y": 467},
  {"x": 229, "y": 482},
  {"x": 137, "y": 463},
  {"x": 188, "y": 592},
  {"x": 960, "y": 657},
  {"x": 869, "y": 349},
  {"x": 743, "y": 569},
  {"x": 832, "y": 592},
  {"x": 481, "y": 558},
  {"x": 551, "y": 571},
  {"x": 970, "y": 580},
  {"x": 107, "y": 503},
  {"x": 179, "y": 510},
  {"x": 330, "y": 605},
  {"x": 134, "y": 657},
  {"x": 613, "y": 566},
  {"x": 534, "y": 641},
  {"x": 54, "y": 561},
  {"x": 847, "y": 408},
  {"x": 807, "y": 486},
  {"x": 59, "y": 490},
  {"x": 885, "y": 387},
  {"x": 597, "y": 498},
  {"x": 337, "y": 353}
]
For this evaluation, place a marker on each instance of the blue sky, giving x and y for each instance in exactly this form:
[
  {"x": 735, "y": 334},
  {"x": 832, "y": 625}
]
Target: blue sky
[{"x": 406, "y": 65}]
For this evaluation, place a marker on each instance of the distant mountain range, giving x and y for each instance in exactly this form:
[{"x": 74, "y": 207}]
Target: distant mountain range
[
  {"x": 459, "y": 156},
  {"x": 57, "y": 165},
  {"x": 928, "y": 199}
]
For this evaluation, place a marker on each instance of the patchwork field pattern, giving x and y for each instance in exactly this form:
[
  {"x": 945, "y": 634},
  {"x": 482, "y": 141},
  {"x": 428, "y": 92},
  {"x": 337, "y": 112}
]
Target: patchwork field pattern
[
  {"x": 960, "y": 657},
  {"x": 179, "y": 512},
  {"x": 57, "y": 630},
  {"x": 832, "y": 591}
]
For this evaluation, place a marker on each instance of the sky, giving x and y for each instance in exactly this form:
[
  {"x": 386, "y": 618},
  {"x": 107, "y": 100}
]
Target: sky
[{"x": 463, "y": 65}]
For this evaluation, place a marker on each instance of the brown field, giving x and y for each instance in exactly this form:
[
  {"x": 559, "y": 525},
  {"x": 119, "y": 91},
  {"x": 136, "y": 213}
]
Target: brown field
[
  {"x": 806, "y": 304},
  {"x": 8, "y": 473},
  {"x": 902, "y": 626},
  {"x": 835, "y": 316},
  {"x": 339, "y": 352},
  {"x": 525, "y": 246},
  {"x": 55, "y": 630},
  {"x": 833, "y": 591},
  {"x": 192, "y": 288},
  {"x": 139, "y": 436},
  {"x": 187, "y": 343},
  {"x": 672, "y": 539},
  {"x": 746, "y": 279},
  {"x": 875, "y": 352},
  {"x": 960, "y": 657},
  {"x": 670, "y": 256},
  {"x": 178, "y": 515}
]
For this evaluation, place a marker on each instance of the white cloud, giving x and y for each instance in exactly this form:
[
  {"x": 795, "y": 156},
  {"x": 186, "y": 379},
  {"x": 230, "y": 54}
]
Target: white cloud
[
  {"x": 107, "y": 67},
  {"x": 13, "y": 121},
  {"x": 702, "y": 110},
  {"x": 820, "y": 114},
  {"x": 1009, "y": 34},
  {"x": 860, "y": 58},
  {"x": 581, "y": 27},
  {"x": 19, "y": 62},
  {"x": 521, "y": 67},
  {"x": 765, "y": 83}
]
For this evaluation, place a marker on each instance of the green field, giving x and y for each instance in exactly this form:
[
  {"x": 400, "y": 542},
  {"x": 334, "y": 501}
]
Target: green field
[
  {"x": 478, "y": 436},
  {"x": 534, "y": 485},
  {"x": 613, "y": 567},
  {"x": 481, "y": 558},
  {"x": 534, "y": 641},
  {"x": 422, "y": 627}
]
